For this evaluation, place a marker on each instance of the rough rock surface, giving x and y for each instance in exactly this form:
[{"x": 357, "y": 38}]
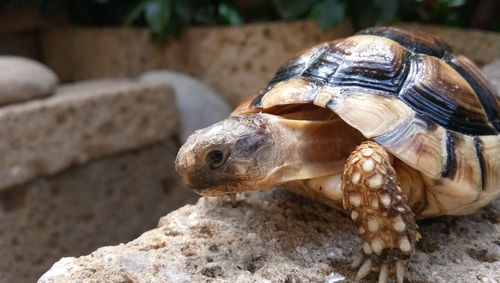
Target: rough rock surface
[
  {"x": 23, "y": 79},
  {"x": 104, "y": 202},
  {"x": 276, "y": 236},
  {"x": 198, "y": 104},
  {"x": 492, "y": 72},
  {"x": 81, "y": 121}
]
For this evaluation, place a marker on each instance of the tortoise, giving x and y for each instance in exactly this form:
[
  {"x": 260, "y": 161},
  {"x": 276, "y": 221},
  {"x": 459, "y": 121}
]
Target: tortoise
[{"x": 388, "y": 125}]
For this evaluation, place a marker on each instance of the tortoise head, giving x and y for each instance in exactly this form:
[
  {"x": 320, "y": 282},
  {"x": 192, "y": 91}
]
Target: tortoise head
[{"x": 230, "y": 156}]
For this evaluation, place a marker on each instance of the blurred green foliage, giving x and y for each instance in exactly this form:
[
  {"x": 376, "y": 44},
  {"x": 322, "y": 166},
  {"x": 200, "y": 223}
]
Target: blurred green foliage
[{"x": 167, "y": 17}]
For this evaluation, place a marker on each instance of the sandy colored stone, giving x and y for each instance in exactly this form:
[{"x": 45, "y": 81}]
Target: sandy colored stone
[
  {"x": 239, "y": 61},
  {"x": 104, "y": 202},
  {"x": 199, "y": 105},
  {"x": 235, "y": 61},
  {"x": 482, "y": 47},
  {"x": 107, "y": 52},
  {"x": 492, "y": 72},
  {"x": 80, "y": 122},
  {"x": 276, "y": 236},
  {"x": 24, "y": 79}
]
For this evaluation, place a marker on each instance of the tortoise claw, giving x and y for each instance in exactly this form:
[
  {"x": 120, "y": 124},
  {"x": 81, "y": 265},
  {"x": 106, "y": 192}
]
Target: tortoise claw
[
  {"x": 384, "y": 274},
  {"x": 357, "y": 261},
  {"x": 400, "y": 271},
  {"x": 395, "y": 267},
  {"x": 364, "y": 270}
]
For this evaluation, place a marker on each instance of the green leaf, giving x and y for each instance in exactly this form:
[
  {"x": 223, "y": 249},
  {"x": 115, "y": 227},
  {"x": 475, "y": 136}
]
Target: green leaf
[
  {"x": 229, "y": 14},
  {"x": 329, "y": 12},
  {"x": 290, "y": 10},
  {"x": 157, "y": 13},
  {"x": 134, "y": 13}
]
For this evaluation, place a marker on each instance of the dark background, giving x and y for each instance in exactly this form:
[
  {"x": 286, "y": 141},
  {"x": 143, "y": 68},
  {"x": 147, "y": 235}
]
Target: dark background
[{"x": 167, "y": 18}]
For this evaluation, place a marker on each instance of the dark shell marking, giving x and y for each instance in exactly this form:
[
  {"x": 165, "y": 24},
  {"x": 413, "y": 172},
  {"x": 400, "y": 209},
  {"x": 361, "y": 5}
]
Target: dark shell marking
[
  {"x": 450, "y": 164},
  {"x": 480, "y": 158}
]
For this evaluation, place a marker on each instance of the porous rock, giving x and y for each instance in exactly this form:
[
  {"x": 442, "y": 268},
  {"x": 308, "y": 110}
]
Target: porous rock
[
  {"x": 276, "y": 236},
  {"x": 23, "y": 79},
  {"x": 104, "y": 202},
  {"x": 239, "y": 61},
  {"x": 82, "y": 121},
  {"x": 198, "y": 104},
  {"x": 492, "y": 72}
]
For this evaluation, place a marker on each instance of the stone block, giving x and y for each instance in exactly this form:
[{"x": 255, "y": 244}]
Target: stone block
[
  {"x": 239, "y": 61},
  {"x": 275, "y": 236},
  {"x": 104, "y": 202},
  {"x": 235, "y": 61},
  {"x": 107, "y": 52},
  {"x": 80, "y": 122},
  {"x": 24, "y": 79},
  {"x": 482, "y": 47}
]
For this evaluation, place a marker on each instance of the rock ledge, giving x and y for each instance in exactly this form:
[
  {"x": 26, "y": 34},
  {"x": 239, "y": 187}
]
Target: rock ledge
[{"x": 275, "y": 236}]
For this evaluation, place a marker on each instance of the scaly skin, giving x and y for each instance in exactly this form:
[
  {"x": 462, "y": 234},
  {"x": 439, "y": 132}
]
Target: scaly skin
[{"x": 374, "y": 200}]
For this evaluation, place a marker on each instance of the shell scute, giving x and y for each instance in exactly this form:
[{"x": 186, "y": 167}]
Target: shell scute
[
  {"x": 371, "y": 62},
  {"x": 486, "y": 93},
  {"x": 435, "y": 90},
  {"x": 296, "y": 66},
  {"x": 417, "y": 141}
]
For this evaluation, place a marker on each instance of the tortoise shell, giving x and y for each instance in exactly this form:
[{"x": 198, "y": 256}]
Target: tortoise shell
[{"x": 408, "y": 92}]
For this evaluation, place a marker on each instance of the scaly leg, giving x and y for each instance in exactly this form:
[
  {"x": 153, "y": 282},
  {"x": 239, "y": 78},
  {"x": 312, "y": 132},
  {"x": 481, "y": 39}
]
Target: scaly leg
[{"x": 374, "y": 200}]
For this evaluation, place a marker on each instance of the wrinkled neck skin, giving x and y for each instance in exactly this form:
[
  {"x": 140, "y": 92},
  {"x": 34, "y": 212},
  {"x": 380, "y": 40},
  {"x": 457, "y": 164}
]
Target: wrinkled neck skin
[{"x": 308, "y": 149}]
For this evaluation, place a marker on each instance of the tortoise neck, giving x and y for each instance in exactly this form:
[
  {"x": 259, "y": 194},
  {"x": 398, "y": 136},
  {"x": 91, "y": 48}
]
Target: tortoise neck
[{"x": 310, "y": 149}]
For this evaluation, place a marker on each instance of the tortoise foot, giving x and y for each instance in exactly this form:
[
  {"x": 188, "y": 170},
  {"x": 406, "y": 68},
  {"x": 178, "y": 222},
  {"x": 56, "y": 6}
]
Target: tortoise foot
[{"x": 378, "y": 206}]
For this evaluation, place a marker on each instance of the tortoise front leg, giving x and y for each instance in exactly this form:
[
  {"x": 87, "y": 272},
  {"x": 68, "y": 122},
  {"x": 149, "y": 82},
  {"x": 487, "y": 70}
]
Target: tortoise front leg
[{"x": 375, "y": 201}]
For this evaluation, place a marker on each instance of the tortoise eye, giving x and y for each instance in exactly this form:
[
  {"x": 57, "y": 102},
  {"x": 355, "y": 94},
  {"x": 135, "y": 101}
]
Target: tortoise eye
[{"x": 214, "y": 158}]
